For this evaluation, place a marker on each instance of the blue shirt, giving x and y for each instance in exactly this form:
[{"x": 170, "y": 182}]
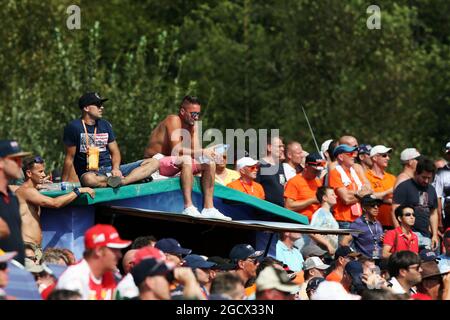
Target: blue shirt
[
  {"x": 371, "y": 234},
  {"x": 444, "y": 263},
  {"x": 74, "y": 135},
  {"x": 292, "y": 257}
]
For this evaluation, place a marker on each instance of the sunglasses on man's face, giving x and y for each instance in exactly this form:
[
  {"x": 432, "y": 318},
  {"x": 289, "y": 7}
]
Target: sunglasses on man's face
[
  {"x": 33, "y": 258},
  {"x": 252, "y": 260},
  {"x": 384, "y": 155},
  {"x": 195, "y": 114},
  {"x": 253, "y": 168},
  {"x": 414, "y": 266},
  {"x": 409, "y": 214},
  {"x": 351, "y": 154}
]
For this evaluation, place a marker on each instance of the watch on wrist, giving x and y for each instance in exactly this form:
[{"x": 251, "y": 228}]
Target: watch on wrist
[{"x": 77, "y": 191}]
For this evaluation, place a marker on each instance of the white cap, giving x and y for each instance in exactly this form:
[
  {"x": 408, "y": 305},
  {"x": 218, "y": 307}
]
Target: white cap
[
  {"x": 379, "y": 149},
  {"x": 269, "y": 278},
  {"x": 324, "y": 147},
  {"x": 332, "y": 290},
  {"x": 245, "y": 162},
  {"x": 409, "y": 154},
  {"x": 314, "y": 262}
]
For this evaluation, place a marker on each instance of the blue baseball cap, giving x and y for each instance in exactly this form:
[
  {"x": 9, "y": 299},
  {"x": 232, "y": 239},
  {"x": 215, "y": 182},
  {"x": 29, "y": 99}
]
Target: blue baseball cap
[
  {"x": 428, "y": 255},
  {"x": 244, "y": 251},
  {"x": 343, "y": 148},
  {"x": 172, "y": 246},
  {"x": 364, "y": 149},
  {"x": 195, "y": 261},
  {"x": 148, "y": 268},
  {"x": 10, "y": 148}
]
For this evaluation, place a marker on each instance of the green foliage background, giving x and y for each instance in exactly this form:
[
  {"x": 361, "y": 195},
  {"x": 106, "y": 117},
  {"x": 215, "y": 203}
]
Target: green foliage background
[{"x": 252, "y": 63}]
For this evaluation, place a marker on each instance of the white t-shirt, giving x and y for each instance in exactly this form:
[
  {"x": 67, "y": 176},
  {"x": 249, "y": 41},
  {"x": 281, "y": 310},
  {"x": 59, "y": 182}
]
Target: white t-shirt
[
  {"x": 79, "y": 278},
  {"x": 289, "y": 172},
  {"x": 127, "y": 289},
  {"x": 398, "y": 289}
]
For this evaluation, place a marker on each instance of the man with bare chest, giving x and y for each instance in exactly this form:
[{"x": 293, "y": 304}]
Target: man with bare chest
[
  {"x": 31, "y": 200},
  {"x": 175, "y": 143}
]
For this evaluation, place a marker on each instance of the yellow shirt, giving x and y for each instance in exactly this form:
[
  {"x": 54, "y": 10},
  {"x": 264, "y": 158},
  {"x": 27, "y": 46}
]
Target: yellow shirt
[{"x": 230, "y": 177}]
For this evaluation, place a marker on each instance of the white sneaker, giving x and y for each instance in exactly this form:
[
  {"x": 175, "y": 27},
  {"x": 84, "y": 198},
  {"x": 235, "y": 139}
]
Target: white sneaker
[
  {"x": 192, "y": 211},
  {"x": 213, "y": 213}
]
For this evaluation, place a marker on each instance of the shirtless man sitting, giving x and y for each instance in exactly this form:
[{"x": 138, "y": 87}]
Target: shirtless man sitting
[
  {"x": 31, "y": 201},
  {"x": 176, "y": 143}
]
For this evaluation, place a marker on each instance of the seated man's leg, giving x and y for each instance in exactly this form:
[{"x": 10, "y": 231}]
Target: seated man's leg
[
  {"x": 93, "y": 180},
  {"x": 208, "y": 175},
  {"x": 138, "y": 170},
  {"x": 208, "y": 171},
  {"x": 186, "y": 179}
]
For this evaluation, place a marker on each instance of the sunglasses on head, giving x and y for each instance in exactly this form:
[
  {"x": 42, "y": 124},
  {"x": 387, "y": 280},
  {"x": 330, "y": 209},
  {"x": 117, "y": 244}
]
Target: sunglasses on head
[{"x": 38, "y": 159}]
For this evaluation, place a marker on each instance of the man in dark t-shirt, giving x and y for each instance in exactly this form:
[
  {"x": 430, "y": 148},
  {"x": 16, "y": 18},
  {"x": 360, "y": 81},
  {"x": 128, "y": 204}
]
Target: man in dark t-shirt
[
  {"x": 91, "y": 132},
  {"x": 10, "y": 168},
  {"x": 271, "y": 174},
  {"x": 420, "y": 195}
]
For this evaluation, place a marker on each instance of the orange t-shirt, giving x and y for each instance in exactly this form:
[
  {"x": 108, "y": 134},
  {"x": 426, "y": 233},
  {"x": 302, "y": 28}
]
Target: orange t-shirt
[
  {"x": 334, "y": 276},
  {"x": 253, "y": 189},
  {"x": 379, "y": 185},
  {"x": 342, "y": 212},
  {"x": 300, "y": 189}
]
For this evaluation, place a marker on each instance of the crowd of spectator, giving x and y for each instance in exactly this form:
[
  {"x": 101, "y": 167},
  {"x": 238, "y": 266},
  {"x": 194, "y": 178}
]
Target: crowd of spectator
[{"x": 396, "y": 246}]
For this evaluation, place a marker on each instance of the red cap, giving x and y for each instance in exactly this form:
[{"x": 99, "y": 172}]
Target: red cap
[
  {"x": 148, "y": 252},
  {"x": 104, "y": 235}
]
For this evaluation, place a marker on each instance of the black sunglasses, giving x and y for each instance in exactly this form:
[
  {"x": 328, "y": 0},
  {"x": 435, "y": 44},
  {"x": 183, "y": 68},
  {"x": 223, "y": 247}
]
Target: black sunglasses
[
  {"x": 408, "y": 214},
  {"x": 32, "y": 258},
  {"x": 3, "y": 266},
  {"x": 195, "y": 114}
]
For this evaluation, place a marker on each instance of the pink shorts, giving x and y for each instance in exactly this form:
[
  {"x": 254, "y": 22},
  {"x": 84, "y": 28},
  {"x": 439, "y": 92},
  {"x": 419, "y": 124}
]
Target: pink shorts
[{"x": 168, "y": 167}]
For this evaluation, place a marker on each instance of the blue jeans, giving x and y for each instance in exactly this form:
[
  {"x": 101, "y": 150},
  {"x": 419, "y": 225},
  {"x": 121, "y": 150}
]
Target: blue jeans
[{"x": 124, "y": 168}]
